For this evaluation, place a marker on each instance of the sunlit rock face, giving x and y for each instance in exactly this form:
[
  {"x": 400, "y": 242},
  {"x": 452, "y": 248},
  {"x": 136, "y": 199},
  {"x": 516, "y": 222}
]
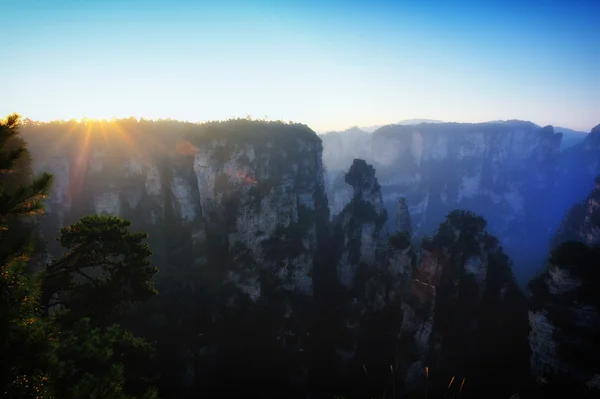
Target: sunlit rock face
[
  {"x": 503, "y": 171},
  {"x": 565, "y": 313},
  {"x": 258, "y": 185},
  {"x": 464, "y": 314},
  {"x": 268, "y": 193},
  {"x": 233, "y": 210}
]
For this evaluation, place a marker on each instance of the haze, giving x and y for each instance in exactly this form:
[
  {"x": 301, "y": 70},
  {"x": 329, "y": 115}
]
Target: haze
[{"x": 330, "y": 65}]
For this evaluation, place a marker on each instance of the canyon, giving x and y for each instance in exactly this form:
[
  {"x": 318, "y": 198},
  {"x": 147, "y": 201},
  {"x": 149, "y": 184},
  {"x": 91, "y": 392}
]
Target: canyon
[{"x": 304, "y": 263}]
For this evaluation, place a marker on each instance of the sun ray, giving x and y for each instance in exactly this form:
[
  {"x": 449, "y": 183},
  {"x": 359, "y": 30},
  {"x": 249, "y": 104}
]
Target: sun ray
[
  {"x": 127, "y": 140},
  {"x": 79, "y": 166},
  {"x": 104, "y": 132},
  {"x": 59, "y": 140}
]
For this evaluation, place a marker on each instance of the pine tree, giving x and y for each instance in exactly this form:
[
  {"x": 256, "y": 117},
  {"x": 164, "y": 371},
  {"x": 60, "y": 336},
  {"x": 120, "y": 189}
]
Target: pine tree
[
  {"x": 24, "y": 335},
  {"x": 105, "y": 269}
]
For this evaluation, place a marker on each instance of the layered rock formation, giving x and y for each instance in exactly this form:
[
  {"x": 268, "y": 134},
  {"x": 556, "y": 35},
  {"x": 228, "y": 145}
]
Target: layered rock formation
[
  {"x": 512, "y": 173},
  {"x": 565, "y": 312},
  {"x": 464, "y": 315}
]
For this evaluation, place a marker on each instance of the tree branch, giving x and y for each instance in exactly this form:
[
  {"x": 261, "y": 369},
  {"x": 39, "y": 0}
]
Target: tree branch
[{"x": 88, "y": 277}]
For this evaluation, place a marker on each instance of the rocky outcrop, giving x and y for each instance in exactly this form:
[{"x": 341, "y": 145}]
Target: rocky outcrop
[
  {"x": 268, "y": 194},
  {"x": 464, "y": 312},
  {"x": 259, "y": 185},
  {"x": 403, "y": 222},
  {"x": 565, "y": 311},
  {"x": 512, "y": 173},
  {"x": 362, "y": 224},
  {"x": 582, "y": 223},
  {"x": 373, "y": 270}
]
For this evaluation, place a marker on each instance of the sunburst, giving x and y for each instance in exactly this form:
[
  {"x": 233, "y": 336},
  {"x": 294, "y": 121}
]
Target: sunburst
[
  {"x": 131, "y": 147},
  {"x": 79, "y": 166}
]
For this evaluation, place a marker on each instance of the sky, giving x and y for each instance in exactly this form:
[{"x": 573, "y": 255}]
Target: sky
[{"x": 328, "y": 64}]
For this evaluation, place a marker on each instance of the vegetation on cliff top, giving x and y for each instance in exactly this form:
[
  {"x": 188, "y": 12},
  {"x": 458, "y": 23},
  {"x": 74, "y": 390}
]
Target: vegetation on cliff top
[{"x": 248, "y": 130}]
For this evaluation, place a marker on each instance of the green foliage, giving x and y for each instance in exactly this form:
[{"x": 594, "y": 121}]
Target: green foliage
[
  {"x": 106, "y": 267},
  {"x": 103, "y": 363},
  {"x": 24, "y": 335},
  {"x": 244, "y": 130},
  {"x": 362, "y": 176}
]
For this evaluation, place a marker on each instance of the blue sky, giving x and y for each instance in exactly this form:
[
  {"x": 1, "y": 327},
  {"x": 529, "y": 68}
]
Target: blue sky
[{"x": 330, "y": 65}]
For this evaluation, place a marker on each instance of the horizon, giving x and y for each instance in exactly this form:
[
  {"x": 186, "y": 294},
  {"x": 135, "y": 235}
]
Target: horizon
[
  {"x": 329, "y": 65},
  {"x": 366, "y": 129}
]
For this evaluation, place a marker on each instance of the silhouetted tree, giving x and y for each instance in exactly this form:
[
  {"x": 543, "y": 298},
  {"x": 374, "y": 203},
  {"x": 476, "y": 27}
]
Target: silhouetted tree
[{"x": 24, "y": 335}]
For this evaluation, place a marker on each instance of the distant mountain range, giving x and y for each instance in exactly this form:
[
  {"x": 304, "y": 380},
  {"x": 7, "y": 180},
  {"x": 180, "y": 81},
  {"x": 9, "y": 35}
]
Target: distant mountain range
[
  {"x": 570, "y": 136},
  {"x": 371, "y": 129}
]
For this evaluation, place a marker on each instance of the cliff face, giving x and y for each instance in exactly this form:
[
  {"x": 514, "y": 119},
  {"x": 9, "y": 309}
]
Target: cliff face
[
  {"x": 565, "y": 312},
  {"x": 260, "y": 192},
  {"x": 255, "y": 272},
  {"x": 511, "y": 173},
  {"x": 464, "y": 315},
  {"x": 234, "y": 211},
  {"x": 582, "y": 223},
  {"x": 362, "y": 223}
]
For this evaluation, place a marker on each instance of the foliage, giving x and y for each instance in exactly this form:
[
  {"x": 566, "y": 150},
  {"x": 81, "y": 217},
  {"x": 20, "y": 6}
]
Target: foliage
[
  {"x": 24, "y": 335},
  {"x": 575, "y": 265},
  {"x": 246, "y": 130},
  {"x": 361, "y": 176},
  {"x": 106, "y": 267},
  {"x": 58, "y": 356},
  {"x": 103, "y": 363},
  {"x": 480, "y": 316}
]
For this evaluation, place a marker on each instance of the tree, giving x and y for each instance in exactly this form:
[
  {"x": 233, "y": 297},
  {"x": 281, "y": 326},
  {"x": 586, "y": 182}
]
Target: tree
[
  {"x": 25, "y": 341},
  {"x": 106, "y": 268},
  {"x": 103, "y": 363}
]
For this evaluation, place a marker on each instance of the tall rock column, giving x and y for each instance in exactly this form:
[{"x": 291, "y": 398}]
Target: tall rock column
[
  {"x": 373, "y": 269},
  {"x": 565, "y": 313},
  {"x": 464, "y": 316}
]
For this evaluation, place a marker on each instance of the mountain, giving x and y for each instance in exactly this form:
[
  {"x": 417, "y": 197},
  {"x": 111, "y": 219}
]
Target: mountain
[
  {"x": 371, "y": 129},
  {"x": 234, "y": 210},
  {"x": 565, "y": 312},
  {"x": 512, "y": 173},
  {"x": 464, "y": 315},
  {"x": 570, "y": 137},
  {"x": 284, "y": 273}
]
